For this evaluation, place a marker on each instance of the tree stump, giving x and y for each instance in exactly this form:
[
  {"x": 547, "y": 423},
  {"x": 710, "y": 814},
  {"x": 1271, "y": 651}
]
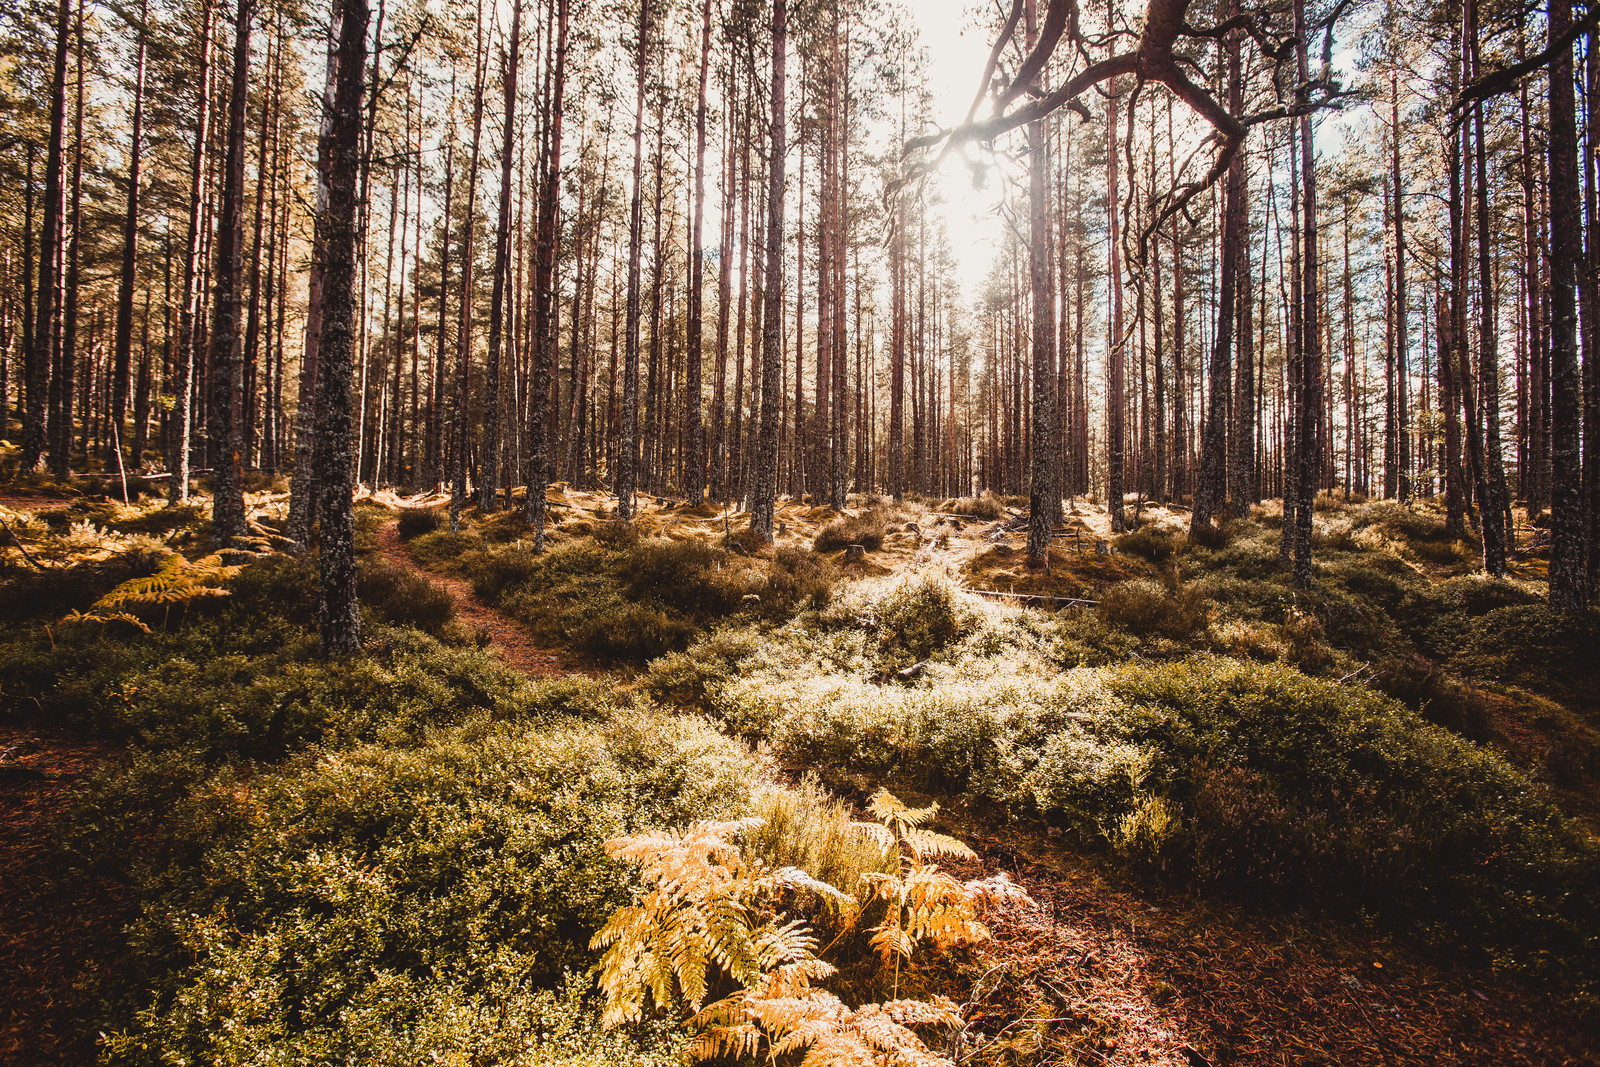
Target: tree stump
[
  {"x": 1102, "y": 548},
  {"x": 854, "y": 552}
]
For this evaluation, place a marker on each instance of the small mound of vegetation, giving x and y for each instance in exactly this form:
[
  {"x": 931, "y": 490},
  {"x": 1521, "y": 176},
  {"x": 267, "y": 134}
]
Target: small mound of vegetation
[
  {"x": 398, "y": 595},
  {"x": 987, "y": 507},
  {"x": 622, "y": 598},
  {"x": 865, "y": 529},
  {"x": 1250, "y": 778},
  {"x": 414, "y": 522},
  {"x": 1149, "y": 542}
]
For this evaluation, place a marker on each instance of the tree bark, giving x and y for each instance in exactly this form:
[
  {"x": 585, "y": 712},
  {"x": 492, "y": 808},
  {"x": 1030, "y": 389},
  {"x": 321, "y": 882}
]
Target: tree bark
[
  {"x": 341, "y": 163},
  {"x": 1569, "y": 579},
  {"x": 37, "y": 364},
  {"x": 763, "y": 502},
  {"x": 502, "y": 264},
  {"x": 227, "y": 501}
]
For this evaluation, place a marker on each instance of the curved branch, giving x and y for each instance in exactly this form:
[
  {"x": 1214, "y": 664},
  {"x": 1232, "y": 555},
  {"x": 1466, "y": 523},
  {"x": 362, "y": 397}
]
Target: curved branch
[{"x": 1506, "y": 79}]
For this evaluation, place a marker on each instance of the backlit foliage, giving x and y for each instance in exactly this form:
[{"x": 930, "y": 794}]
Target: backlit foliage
[{"x": 711, "y": 917}]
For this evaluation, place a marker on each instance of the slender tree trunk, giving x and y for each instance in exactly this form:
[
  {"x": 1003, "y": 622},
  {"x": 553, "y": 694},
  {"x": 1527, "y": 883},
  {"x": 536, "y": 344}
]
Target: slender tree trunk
[
  {"x": 1115, "y": 356},
  {"x": 544, "y": 283},
  {"x": 763, "y": 503},
  {"x": 1211, "y": 490},
  {"x": 1044, "y": 498},
  {"x": 123, "y": 342},
  {"x": 626, "y": 473},
  {"x": 303, "y": 484},
  {"x": 183, "y": 373},
  {"x": 37, "y": 368},
  {"x": 227, "y": 501},
  {"x": 695, "y": 479},
  {"x": 462, "y": 435},
  {"x": 1309, "y": 420},
  {"x": 1569, "y": 579},
  {"x": 502, "y": 264},
  {"x": 62, "y": 382},
  {"x": 341, "y": 163}
]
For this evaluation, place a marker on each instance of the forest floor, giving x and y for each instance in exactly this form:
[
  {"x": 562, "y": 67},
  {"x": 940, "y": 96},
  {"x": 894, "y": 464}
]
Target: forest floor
[
  {"x": 1148, "y": 977},
  {"x": 514, "y": 644},
  {"x": 1133, "y": 973},
  {"x": 48, "y": 942}
]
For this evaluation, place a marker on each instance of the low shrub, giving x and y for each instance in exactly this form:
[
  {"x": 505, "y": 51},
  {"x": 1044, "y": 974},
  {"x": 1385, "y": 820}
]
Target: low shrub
[
  {"x": 920, "y": 616},
  {"x": 441, "y": 549},
  {"x": 402, "y": 905},
  {"x": 398, "y": 595},
  {"x": 865, "y": 529},
  {"x": 987, "y": 507},
  {"x": 414, "y": 522},
  {"x": 1150, "y": 543},
  {"x": 1147, "y": 608},
  {"x": 1214, "y": 536}
]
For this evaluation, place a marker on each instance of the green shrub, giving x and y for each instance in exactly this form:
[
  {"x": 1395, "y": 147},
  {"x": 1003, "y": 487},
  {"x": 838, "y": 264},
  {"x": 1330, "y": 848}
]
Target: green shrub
[
  {"x": 402, "y": 596},
  {"x": 920, "y": 616},
  {"x": 415, "y": 522},
  {"x": 384, "y": 905},
  {"x": 442, "y": 548},
  {"x": 1150, "y": 542},
  {"x": 865, "y": 529},
  {"x": 1306, "y": 788},
  {"x": 1147, "y": 608},
  {"x": 629, "y": 632}
]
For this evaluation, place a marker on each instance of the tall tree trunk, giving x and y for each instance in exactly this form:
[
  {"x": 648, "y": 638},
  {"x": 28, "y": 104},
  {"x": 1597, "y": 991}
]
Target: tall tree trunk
[
  {"x": 502, "y": 264},
  {"x": 626, "y": 474},
  {"x": 1402, "y": 371},
  {"x": 1309, "y": 420},
  {"x": 1044, "y": 497},
  {"x": 1493, "y": 495},
  {"x": 62, "y": 382},
  {"x": 1115, "y": 356},
  {"x": 123, "y": 342},
  {"x": 1211, "y": 490},
  {"x": 183, "y": 373},
  {"x": 462, "y": 436},
  {"x": 695, "y": 479},
  {"x": 1569, "y": 578},
  {"x": 764, "y": 494},
  {"x": 544, "y": 282},
  {"x": 227, "y": 501},
  {"x": 303, "y": 484},
  {"x": 37, "y": 365},
  {"x": 341, "y": 163}
]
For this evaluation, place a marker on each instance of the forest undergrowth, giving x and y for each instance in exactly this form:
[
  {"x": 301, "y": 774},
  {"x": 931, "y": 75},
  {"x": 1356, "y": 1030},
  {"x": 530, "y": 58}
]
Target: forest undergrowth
[{"x": 406, "y": 856}]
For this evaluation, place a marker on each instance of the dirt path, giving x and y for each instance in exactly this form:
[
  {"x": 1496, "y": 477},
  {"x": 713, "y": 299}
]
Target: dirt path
[
  {"x": 1130, "y": 977},
  {"x": 55, "y": 926},
  {"x": 514, "y": 644}
]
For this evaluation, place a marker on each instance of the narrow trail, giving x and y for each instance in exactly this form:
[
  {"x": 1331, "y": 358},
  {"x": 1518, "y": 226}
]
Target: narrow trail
[
  {"x": 1137, "y": 977},
  {"x": 514, "y": 644},
  {"x": 55, "y": 926}
]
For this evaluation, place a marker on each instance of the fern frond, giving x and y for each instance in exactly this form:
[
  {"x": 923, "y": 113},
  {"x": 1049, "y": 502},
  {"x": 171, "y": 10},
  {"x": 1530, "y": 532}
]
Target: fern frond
[
  {"x": 891, "y": 810},
  {"x": 889, "y": 940},
  {"x": 927, "y": 843},
  {"x": 937, "y": 1011},
  {"x": 104, "y": 617},
  {"x": 738, "y": 1042},
  {"x": 795, "y": 878},
  {"x": 998, "y": 889}
]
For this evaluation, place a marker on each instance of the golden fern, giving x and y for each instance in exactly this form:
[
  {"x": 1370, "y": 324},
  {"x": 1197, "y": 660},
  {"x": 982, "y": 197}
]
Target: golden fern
[
  {"x": 105, "y": 617},
  {"x": 178, "y": 582},
  {"x": 706, "y": 906},
  {"x": 924, "y": 904}
]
